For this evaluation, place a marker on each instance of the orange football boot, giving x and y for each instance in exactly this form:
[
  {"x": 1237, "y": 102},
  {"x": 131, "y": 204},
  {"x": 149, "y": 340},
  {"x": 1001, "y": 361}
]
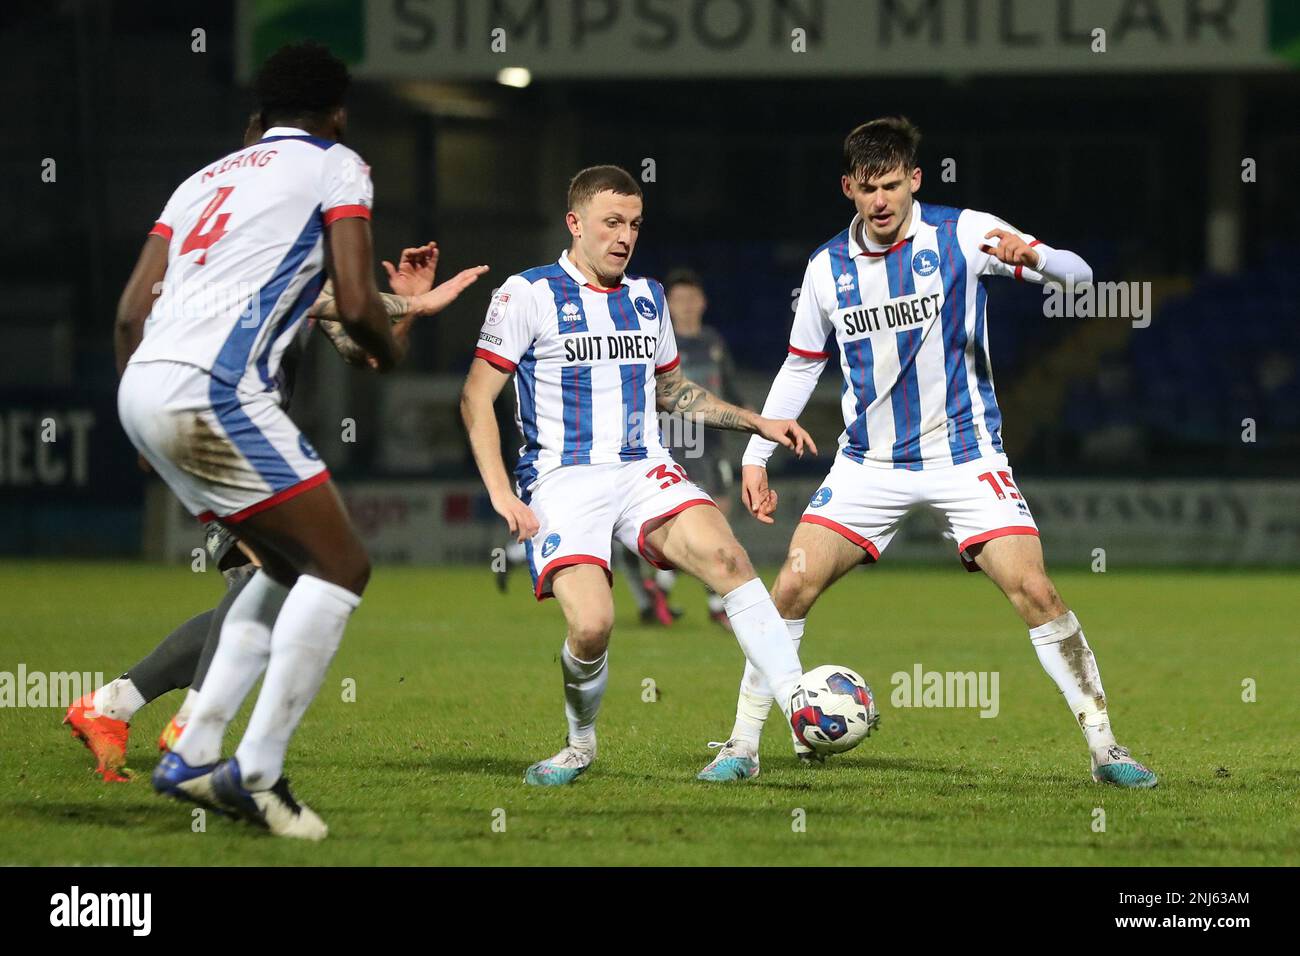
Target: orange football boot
[
  {"x": 103, "y": 736},
  {"x": 171, "y": 735}
]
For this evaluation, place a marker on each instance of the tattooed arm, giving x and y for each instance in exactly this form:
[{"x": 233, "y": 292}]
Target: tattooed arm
[
  {"x": 325, "y": 308},
  {"x": 325, "y": 311},
  {"x": 402, "y": 311},
  {"x": 677, "y": 395}
]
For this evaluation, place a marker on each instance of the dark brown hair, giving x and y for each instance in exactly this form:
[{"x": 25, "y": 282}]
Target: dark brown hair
[
  {"x": 599, "y": 179},
  {"x": 881, "y": 146}
]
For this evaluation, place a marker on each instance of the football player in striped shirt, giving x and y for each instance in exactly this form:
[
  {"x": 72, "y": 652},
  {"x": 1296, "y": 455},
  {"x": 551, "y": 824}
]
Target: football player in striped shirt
[
  {"x": 898, "y": 298},
  {"x": 593, "y": 356}
]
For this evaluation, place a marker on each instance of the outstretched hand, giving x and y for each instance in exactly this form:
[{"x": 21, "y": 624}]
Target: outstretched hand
[
  {"x": 413, "y": 275},
  {"x": 438, "y": 298},
  {"x": 787, "y": 432},
  {"x": 1011, "y": 249}
]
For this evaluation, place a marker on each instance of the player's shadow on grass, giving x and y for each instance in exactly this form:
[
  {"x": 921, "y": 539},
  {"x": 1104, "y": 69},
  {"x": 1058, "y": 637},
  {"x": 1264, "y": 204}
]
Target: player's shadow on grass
[
  {"x": 839, "y": 767},
  {"x": 470, "y": 765},
  {"x": 161, "y": 816}
]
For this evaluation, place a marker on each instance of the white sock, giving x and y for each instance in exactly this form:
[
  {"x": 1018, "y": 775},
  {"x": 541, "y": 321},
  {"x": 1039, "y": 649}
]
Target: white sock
[
  {"x": 239, "y": 660},
  {"x": 666, "y": 580},
  {"x": 1065, "y": 655},
  {"x": 306, "y": 635},
  {"x": 584, "y": 686},
  {"x": 755, "y": 700},
  {"x": 764, "y": 638},
  {"x": 187, "y": 706},
  {"x": 118, "y": 699}
]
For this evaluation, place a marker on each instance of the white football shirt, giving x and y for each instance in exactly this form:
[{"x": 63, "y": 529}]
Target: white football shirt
[{"x": 245, "y": 257}]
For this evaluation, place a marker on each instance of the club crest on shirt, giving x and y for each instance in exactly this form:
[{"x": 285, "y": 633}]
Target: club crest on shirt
[
  {"x": 845, "y": 282},
  {"x": 550, "y": 544},
  {"x": 646, "y": 309},
  {"x": 820, "y": 497},
  {"x": 925, "y": 262}
]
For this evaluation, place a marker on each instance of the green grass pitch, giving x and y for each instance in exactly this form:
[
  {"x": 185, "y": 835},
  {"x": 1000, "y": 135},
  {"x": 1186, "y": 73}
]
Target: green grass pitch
[{"x": 457, "y": 691}]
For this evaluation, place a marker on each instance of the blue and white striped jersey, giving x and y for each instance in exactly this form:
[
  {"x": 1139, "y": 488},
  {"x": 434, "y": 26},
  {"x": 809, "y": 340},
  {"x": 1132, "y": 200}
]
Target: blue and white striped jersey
[
  {"x": 584, "y": 360},
  {"x": 909, "y": 324}
]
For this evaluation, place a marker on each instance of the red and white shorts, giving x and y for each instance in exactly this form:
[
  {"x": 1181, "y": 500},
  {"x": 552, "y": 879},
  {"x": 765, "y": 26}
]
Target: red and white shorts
[
  {"x": 975, "y": 502},
  {"x": 581, "y": 508},
  {"x": 223, "y": 454}
]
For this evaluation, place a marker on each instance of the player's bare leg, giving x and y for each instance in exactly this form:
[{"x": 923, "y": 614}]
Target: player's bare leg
[
  {"x": 817, "y": 558},
  {"x": 717, "y": 612},
  {"x": 700, "y": 542},
  {"x": 288, "y": 621},
  {"x": 1015, "y": 564},
  {"x": 588, "y": 605}
]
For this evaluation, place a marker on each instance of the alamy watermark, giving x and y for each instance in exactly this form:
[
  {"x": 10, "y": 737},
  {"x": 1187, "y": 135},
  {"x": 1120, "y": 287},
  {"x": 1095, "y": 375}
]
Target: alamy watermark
[
  {"x": 1098, "y": 300},
  {"x": 25, "y": 688},
  {"x": 683, "y": 433},
  {"x": 922, "y": 688}
]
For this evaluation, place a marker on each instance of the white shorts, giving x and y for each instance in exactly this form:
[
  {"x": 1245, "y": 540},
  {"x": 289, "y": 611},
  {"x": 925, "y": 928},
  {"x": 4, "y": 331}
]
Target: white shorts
[
  {"x": 224, "y": 455},
  {"x": 976, "y": 501},
  {"x": 581, "y": 508}
]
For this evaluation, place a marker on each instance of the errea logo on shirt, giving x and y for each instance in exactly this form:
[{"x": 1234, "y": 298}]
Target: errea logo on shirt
[
  {"x": 570, "y": 312},
  {"x": 845, "y": 282}
]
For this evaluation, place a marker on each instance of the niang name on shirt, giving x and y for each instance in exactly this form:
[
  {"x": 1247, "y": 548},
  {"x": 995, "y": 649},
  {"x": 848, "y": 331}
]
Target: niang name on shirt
[
  {"x": 595, "y": 347},
  {"x": 896, "y": 315},
  {"x": 256, "y": 159}
]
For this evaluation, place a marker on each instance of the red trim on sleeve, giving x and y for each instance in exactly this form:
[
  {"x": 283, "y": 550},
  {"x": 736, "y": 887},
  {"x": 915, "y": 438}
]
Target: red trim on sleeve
[
  {"x": 650, "y": 524},
  {"x": 568, "y": 561},
  {"x": 660, "y": 369},
  {"x": 161, "y": 229},
  {"x": 1020, "y": 269},
  {"x": 357, "y": 211},
  {"x": 839, "y": 529},
  {"x": 804, "y": 353},
  {"x": 496, "y": 361}
]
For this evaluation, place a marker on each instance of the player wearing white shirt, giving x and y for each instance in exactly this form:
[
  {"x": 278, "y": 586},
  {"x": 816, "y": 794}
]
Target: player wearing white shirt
[
  {"x": 592, "y": 353},
  {"x": 901, "y": 294},
  {"x": 240, "y": 254}
]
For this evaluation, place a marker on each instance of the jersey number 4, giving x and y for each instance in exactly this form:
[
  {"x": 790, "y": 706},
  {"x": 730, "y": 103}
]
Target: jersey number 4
[{"x": 198, "y": 239}]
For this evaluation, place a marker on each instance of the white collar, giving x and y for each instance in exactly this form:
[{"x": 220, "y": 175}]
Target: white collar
[
  {"x": 284, "y": 131},
  {"x": 873, "y": 249},
  {"x": 576, "y": 274}
]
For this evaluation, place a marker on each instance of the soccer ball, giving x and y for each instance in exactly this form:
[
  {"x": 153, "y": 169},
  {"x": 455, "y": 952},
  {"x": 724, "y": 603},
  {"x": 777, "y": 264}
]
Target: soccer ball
[{"x": 832, "y": 709}]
